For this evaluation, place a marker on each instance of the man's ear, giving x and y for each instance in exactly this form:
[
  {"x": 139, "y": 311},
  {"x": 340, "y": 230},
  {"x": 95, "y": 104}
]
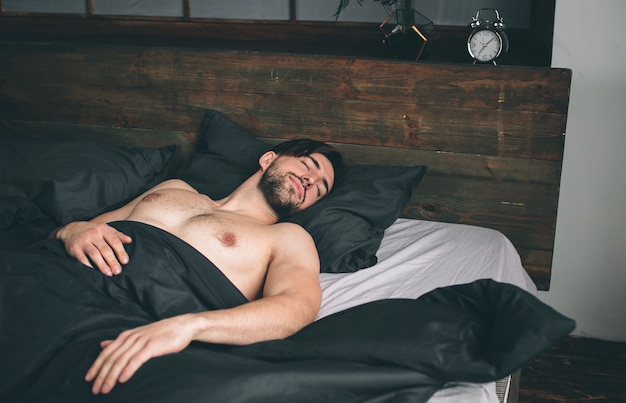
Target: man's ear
[{"x": 266, "y": 159}]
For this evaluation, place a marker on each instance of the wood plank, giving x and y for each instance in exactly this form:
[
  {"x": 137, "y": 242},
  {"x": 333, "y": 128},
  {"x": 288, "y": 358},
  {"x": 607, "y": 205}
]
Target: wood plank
[
  {"x": 495, "y": 169},
  {"x": 148, "y": 108},
  {"x": 462, "y": 128},
  {"x": 108, "y": 135},
  {"x": 513, "y": 221},
  {"x": 576, "y": 370},
  {"x": 477, "y": 87},
  {"x": 518, "y": 195},
  {"x": 503, "y": 133}
]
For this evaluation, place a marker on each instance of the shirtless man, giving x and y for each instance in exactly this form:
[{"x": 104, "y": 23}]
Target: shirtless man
[{"x": 275, "y": 266}]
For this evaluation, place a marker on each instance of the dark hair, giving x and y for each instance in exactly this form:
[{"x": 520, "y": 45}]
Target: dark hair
[{"x": 306, "y": 147}]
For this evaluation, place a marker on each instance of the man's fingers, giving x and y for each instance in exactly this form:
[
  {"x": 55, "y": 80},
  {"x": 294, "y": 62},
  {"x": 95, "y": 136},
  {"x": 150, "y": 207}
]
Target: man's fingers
[
  {"x": 124, "y": 238},
  {"x": 105, "y": 369},
  {"x": 100, "y": 255},
  {"x": 95, "y": 367},
  {"x": 83, "y": 259},
  {"x": 109, "y": 254},
  {"x": 115, "y": 242},
  {"x": 105, "y": 355},
  {"x": 106, "y": 259},
  {"x": 96, "y": 245},
  {"x": 120, "y": 359},
  {"x": 118, "y": 364},
  {"x": 90, "y": 256},
  {"x": 133, "y": 363}
]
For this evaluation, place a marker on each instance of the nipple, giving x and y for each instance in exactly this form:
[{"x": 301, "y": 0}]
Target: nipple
[
  {"x": 151, "y": 197},
  {"x": 228, "y": 239}
]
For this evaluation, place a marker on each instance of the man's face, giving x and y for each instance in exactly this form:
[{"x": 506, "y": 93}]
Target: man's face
[{"x": 292, "y": 184}]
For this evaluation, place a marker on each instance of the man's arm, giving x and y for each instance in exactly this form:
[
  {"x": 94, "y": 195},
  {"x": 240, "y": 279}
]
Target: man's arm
[
  {"x": 96, "y": 242},
  {"x": 291, "y": 296},
  {"x": 291, "y": 300}
]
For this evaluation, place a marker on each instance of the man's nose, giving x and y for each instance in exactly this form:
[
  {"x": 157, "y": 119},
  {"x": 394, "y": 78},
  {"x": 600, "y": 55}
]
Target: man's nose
[{"x": 309, "y": 180}]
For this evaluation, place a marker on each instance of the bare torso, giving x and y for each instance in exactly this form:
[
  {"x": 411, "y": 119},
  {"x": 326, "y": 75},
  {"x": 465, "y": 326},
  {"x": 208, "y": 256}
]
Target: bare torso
[{"x": 239, "y": 246}]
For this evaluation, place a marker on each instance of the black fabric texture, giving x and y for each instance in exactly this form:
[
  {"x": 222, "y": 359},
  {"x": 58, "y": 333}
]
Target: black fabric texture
[
  {"x": 22, "y": 223},
  {"x": 43, "y": 289},
  {"x": 476, "y": 332},
  {"x": 77, "y": 180},
  {"x": 347, "y": 225},
  {"x": 383, "y": 351}
]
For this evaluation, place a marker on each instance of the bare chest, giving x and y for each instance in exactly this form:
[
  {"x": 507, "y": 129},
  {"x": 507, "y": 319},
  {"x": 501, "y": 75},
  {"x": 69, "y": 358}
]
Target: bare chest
[{"x": 239, "y": 247}]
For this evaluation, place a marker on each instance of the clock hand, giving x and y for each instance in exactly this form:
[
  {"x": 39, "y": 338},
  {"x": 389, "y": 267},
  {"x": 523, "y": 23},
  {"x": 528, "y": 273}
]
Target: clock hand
[
  {"x": 484, "y": 46},
  {"x": 481, "y": 49}
]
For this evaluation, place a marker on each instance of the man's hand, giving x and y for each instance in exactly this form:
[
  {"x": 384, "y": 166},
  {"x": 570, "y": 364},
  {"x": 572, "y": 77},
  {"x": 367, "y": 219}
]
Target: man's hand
[
  {"x": 122, "y": 357},
  {"x": 88, "y": 242}
]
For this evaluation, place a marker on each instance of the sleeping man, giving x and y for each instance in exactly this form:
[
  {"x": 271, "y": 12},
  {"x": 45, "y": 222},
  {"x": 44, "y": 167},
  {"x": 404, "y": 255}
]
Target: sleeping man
[{"x": 274, "y": 265}]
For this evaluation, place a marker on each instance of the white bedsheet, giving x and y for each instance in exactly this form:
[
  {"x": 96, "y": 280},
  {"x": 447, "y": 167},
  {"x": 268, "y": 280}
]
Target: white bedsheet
[{"x": 418, "y": 256}]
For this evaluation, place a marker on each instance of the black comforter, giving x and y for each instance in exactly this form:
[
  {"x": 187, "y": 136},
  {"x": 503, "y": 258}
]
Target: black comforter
[{"x": 54, "y": 312}]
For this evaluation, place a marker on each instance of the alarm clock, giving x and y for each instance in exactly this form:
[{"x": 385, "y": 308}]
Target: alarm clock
[{"x": 487, "y": 41}]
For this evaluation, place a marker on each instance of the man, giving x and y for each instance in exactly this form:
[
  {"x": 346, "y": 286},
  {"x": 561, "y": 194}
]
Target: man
[{"x": 275, "y": 265}]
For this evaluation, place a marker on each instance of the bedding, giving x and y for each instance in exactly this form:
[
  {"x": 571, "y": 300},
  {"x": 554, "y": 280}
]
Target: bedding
[
  {"x": 397, "y": 349},
  {"x": 417, "y": 256},
  {"x": 78, "y": 180},
  {"x": 412, "y": 310}
]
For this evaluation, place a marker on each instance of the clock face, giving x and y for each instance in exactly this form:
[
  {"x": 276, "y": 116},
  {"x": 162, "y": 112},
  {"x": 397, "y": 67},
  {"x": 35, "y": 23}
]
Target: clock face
[{"x": 484, "y": 45}]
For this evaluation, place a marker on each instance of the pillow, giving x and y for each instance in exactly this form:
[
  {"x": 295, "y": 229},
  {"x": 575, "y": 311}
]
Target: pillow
[
  {"x": 79, "y": 180},
  {"x": 347, "y": 225},
  {"x": 226, "y": 155}
]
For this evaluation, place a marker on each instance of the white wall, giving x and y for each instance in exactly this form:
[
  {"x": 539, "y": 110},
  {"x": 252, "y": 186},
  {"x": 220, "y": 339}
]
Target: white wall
[{"x": 589, "y": 267}]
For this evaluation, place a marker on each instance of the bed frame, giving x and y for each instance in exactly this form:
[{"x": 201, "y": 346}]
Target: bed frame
[{"x": 492, "y": 137}]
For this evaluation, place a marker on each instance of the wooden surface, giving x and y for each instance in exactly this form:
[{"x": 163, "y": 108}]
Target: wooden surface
[
  {"x": 492, "y": 137},
  {"x": 576, "y": 370}
]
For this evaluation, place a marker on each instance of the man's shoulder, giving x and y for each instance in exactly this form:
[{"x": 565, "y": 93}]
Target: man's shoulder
[
  {"x": 290, "y": 229},
  {"x": 289, "y": 226},
  {"x": 292, "y": 243}
]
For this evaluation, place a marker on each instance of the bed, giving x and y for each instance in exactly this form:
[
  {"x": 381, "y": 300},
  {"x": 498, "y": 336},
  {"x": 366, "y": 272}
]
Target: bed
[{"x": 431, "y": 250}]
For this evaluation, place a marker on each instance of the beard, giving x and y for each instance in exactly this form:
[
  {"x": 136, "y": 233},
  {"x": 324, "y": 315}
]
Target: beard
[{"x": 280, "y": 197}]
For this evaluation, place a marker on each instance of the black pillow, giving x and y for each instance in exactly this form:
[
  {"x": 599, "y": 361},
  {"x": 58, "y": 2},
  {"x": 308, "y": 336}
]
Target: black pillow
[
  {"x": 72, "y": 180},
  {"x": 347, "y": 225},
  {"x": 226, "y": 155}
]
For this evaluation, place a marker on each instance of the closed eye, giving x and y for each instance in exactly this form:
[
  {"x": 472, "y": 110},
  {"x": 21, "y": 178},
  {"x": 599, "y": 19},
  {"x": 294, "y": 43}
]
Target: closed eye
[
  {"x": 324, "y": 181},
  {"x": 308, "y": 168}
]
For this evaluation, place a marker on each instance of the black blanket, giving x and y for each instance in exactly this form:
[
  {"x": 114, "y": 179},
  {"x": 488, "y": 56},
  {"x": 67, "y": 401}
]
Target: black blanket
[{"x": 55, "y": 311}]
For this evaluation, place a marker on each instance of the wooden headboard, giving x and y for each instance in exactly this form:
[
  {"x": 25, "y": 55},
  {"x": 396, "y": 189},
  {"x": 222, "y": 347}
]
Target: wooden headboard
[{"x": 492, "y": 137}]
